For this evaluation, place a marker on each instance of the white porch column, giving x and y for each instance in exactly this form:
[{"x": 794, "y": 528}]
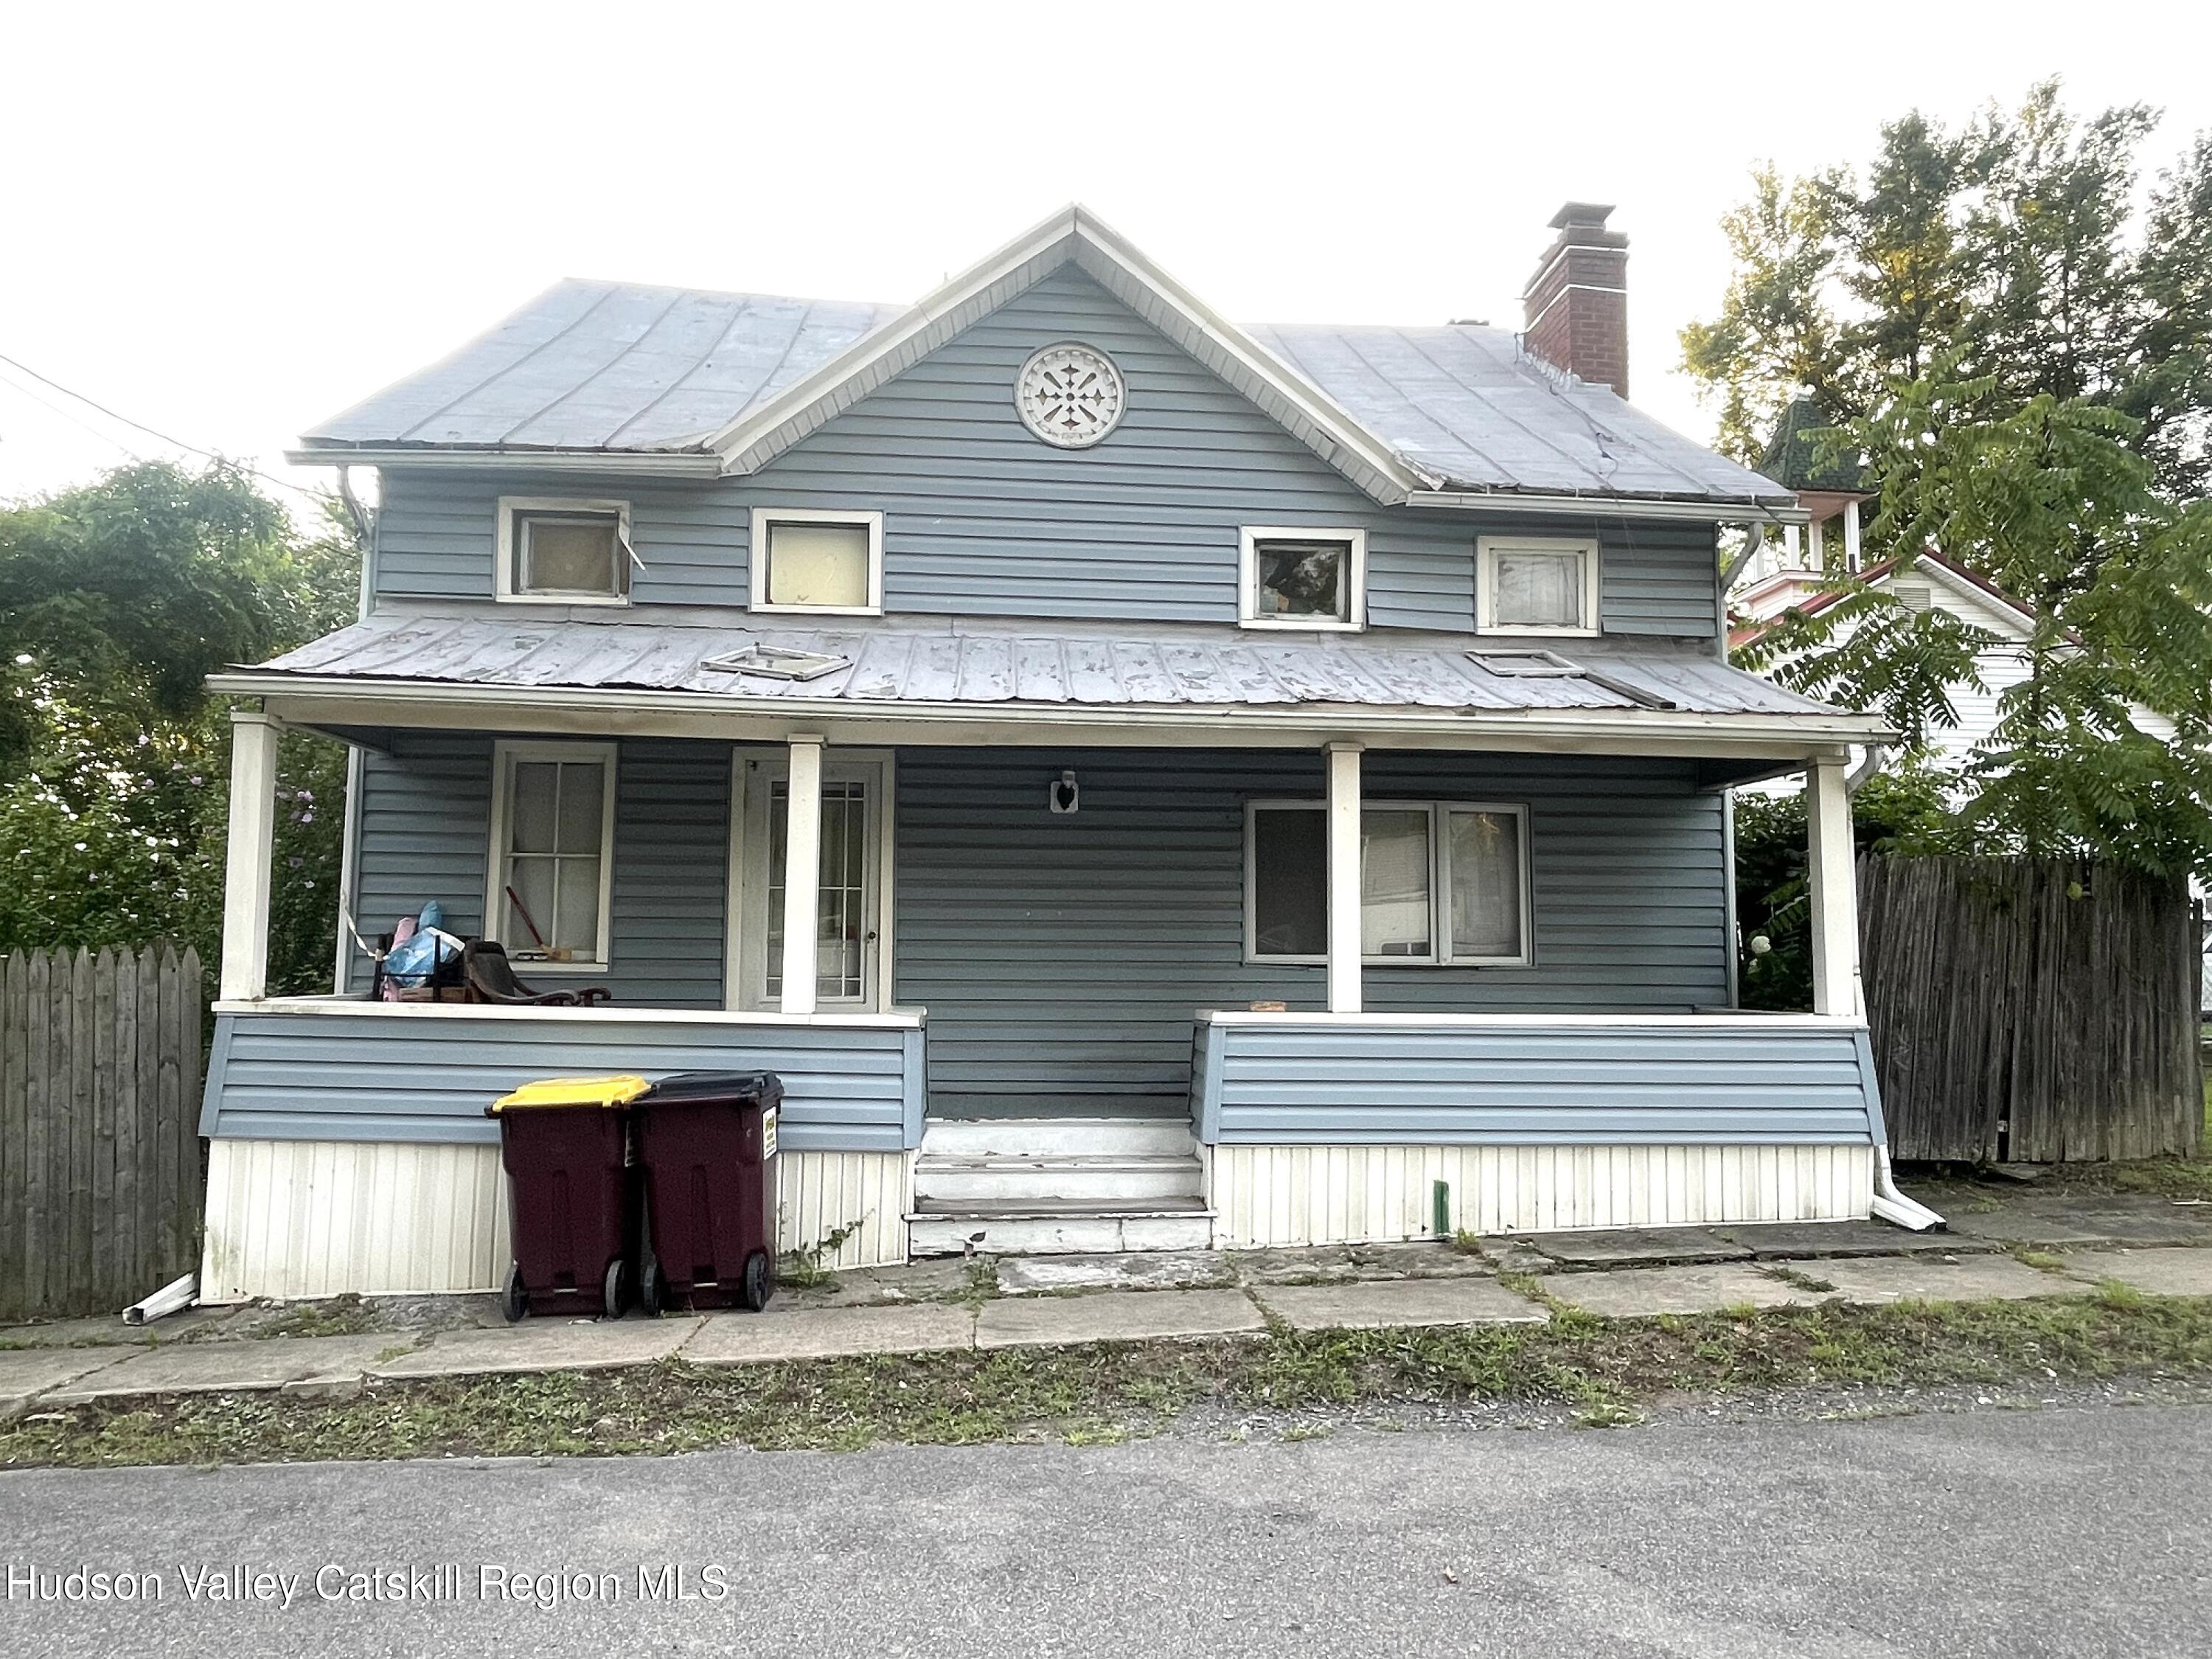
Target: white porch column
[
  {"x": 1344, "y": 878},
  {"x": 802, "y": 875},
  {"x": 1835, "y": 898},
  {"x": 1789, "y": 546},
  {"x": 1816, "y": 558},
  {"x": 1851, "y": 537},
  {"x": 252, "y": 838}
]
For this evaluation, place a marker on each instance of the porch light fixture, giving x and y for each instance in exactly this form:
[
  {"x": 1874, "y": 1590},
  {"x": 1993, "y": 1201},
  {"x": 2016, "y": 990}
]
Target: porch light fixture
[
  {"x": 776, "y": 662},
  {"x": 1066, "y": 794}
]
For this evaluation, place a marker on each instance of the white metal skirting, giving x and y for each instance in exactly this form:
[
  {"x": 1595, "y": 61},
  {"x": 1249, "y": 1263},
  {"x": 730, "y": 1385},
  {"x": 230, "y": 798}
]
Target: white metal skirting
[
  {"x": 291, "y": 1218},
  {"x": 1267, "y": 1195}
]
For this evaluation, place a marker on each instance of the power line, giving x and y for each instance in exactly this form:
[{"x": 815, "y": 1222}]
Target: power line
[
  {"x": 140, "y": 426},
  {"x": 74, "y": 419}
]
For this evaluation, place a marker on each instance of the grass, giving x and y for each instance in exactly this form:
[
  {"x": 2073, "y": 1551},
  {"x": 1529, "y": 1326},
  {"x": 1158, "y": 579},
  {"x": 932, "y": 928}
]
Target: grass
[{"x": 1602, "y": 1372}]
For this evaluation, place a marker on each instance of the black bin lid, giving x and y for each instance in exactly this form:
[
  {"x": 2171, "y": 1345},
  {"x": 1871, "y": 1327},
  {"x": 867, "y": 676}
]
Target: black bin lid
[{"x": 733, "y": 1086}]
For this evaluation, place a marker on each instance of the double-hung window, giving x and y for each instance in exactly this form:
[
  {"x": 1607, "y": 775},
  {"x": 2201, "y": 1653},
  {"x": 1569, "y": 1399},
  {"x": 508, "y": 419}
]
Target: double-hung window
[
  {"x": 564, "y": 551},
  {"x": 1302, "y": 578},
  {"x": 1441, "y": 883},
  {"x": 553, "y": 818},
  {"x": 829, "y": 564},
  {"x": 1533, "y": 585}
]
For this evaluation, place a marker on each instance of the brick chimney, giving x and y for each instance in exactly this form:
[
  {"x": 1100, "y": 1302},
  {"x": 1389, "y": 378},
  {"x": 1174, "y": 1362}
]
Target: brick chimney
[{"x": 1577, "y": 304}]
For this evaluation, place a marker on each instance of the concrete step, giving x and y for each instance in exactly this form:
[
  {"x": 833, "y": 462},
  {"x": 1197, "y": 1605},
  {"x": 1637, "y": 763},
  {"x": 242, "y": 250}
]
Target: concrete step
[
  {"x": 1057, "y": 1137},
  {"x": 1131, "y": 1181},
  {"x": 1067, "y": 1229}
]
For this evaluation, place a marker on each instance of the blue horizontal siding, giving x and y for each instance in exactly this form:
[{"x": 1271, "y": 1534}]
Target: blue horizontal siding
[
  {"x": 423, "y": 831},
  {"x": 981, "y": 519},
  {"x": 337, "y": 1076},
  {"x": 1287, "y": 1081},
  {"x": 1062, "y": 957}
]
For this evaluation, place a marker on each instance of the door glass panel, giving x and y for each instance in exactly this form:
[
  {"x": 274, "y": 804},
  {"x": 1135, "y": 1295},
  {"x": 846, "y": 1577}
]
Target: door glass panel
[
  {"x": 1484, "y": 850},
  {"x": 845, "y": 904}
]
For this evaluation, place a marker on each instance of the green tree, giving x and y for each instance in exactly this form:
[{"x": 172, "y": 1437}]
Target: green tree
[
  {"x": 117, "y": 598},
  {"x": 2021, "y": 362}
]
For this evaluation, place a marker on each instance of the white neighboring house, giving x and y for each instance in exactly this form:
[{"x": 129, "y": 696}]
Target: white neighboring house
[{"x": 1932, "y": 582}]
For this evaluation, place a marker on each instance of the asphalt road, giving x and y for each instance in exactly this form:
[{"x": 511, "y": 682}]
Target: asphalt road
[{"x": 2074, "y": 1532}]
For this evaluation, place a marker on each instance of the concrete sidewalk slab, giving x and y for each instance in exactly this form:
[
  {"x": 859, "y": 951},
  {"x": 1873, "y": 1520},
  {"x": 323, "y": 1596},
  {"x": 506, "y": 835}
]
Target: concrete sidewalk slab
[
  {"x": 1644, "y": 1292},
  {"x": 1422, "y": 1259},
  {"x": 1309, "y": 1264},
  {"x": 226, "y": 1367},
  {"x": 562, "y": 1346},
  {"x": 25, "y": 1374},
  {"x": 1135, "y": 1316},
  {"x": 2060, "y": 1224},
  {"x": 1635, "y": 1247},
  {"x": 1127, "y": 1270},
  {"x": 830, "y": 1333},
  {"x": 1385, "y": 1303},
  {"x": 1921, "y": 1279},
  {"x": 1785, "y": 1241},
  {"x": 2154, "y": 1272}
]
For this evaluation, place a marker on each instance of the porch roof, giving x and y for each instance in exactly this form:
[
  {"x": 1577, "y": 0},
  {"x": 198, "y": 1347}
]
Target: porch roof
[{"x": 979, "y": 667}]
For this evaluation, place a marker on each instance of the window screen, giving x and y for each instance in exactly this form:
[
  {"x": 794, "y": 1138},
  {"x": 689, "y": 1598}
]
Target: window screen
[{"x": 570, "y": 553}]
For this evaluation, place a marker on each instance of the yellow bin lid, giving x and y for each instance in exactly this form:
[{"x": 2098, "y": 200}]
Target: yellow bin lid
[{"x": 616, "y": 1090}]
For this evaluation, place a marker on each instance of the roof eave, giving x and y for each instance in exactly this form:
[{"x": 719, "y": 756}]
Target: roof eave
[
  {"x": 651, "y": 462},
  {"x": 1295, "y": 725},
  {"x": 1708, "y": 510}
]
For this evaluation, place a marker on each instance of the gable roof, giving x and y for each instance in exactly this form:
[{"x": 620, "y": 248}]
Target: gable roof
[
  {"x": 2017, "y": 615},
  {"x": 715, "y": 382}
]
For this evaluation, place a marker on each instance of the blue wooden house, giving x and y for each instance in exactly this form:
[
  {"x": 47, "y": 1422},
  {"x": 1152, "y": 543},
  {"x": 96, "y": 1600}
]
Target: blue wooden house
[{"x": 1142, "y": 781}]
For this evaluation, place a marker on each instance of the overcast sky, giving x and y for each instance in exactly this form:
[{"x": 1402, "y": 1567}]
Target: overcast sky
[{"x": 228, "y": 223}]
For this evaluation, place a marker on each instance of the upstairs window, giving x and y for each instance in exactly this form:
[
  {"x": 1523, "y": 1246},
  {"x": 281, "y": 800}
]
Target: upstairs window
[
  {"x": 1307, "y": 579},
  {"x": 1536, "y": 585},
  {"x": 553, "y": 815},
  {"x": 1443, "y": 882},
  {"x": 830, "y": 563},
  {"x": 571, "y": 552}
]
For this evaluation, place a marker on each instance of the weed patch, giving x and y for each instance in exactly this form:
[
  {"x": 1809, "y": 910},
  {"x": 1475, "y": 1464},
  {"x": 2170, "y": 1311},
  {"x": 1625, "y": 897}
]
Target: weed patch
[{"x": 1603, "y": 1371}]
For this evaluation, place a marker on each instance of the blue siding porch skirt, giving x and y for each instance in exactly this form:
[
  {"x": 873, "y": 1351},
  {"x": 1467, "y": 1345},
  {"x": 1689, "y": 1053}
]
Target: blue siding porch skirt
[
  {"x": 328, "y": 1070},
  {"x": 1478, "y": 1079}
]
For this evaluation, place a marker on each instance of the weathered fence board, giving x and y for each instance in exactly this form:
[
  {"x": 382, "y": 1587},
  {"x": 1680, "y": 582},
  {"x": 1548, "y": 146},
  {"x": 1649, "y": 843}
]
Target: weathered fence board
[
  {"x": 100, "y": 1166},
  {"x": 2036, "y": 1011}
]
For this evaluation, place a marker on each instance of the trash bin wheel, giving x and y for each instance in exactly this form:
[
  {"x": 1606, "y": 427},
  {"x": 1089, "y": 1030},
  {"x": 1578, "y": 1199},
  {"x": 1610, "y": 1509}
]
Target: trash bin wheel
[
  {"x": 760, "y": 1280},
  {"x": 652, "y": 1290},
  {"x": 617, "y": 1288},
  {"x": 512, "y": 1301}
]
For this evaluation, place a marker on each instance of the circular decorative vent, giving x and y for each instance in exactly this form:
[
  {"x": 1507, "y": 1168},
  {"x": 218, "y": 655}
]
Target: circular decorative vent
[{"x": 1069, "y": 395}]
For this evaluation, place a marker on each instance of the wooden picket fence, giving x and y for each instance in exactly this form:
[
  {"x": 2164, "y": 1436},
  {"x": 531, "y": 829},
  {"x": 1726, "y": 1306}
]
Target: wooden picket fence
[
  {"x": 100, "y": 1168},
  {"x": 2034, "y": 1010}
]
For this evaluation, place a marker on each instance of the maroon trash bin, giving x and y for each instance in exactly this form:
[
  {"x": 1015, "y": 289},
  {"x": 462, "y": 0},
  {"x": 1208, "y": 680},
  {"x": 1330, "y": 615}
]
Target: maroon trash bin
[
  {"x": 564, "y": 1144},
  {"x": 706, "y": 1144}
]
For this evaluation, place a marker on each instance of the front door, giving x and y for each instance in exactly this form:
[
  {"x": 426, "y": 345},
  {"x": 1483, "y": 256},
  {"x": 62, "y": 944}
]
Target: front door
[{"x": 852, "y": 915}]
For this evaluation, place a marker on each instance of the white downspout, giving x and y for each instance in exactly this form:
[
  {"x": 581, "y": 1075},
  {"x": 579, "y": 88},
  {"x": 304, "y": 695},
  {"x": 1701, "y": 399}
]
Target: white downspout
[{"x": 1891, "y": 1205}]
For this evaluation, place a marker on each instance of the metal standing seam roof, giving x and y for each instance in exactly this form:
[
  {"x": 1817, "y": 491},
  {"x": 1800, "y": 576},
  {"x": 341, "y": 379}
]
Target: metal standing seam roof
[
  {"x": 965, "y": 661},
  {"x": 622, "y": 368}
]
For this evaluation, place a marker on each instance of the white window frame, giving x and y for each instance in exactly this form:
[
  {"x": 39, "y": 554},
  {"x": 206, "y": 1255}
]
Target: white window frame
[
  {"x": 508, "y": 572},
  {"x": 1441, "y": 953},
  {"x": 1249, "y": 538},
  {"x": 1486, "y": 549},
  {"x": 746, "y": 943},
  {"x": 504, "y": 756},
  {"x": 756, "y": 560}
]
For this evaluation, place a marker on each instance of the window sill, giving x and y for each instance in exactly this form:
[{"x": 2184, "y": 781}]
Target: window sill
[
  {"x": 602, "y": 600},
  {"x": 1251, "y": 961},
  {"x": 762, "y": 608},
  {"x": 1516, "y": 631},
  {"x": 1269, "y": 625}
]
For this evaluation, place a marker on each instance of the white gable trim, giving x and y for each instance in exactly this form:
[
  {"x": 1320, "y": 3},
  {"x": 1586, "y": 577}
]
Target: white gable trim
[{"x": 1072, "y": 236}]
